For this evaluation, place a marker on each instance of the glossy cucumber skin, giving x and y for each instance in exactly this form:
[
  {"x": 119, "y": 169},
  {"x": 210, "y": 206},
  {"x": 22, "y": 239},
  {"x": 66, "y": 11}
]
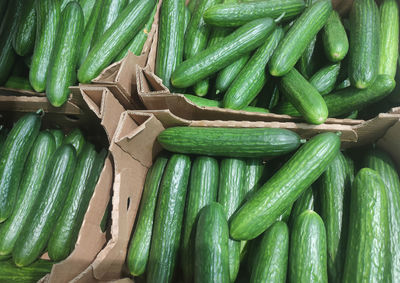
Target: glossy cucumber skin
[
  {"x": 58, "y": 136},
  {"x": 227, "y": 75},
  {"x": 203, "y": 189},
  {"x": 76, "y": 139},
  {"x": 254, "y": 175},
  {"x": 24, "y": 36},
  {"x": 13, "y": 155},
  {"x": 34, "y": 236},
  {"x": 334, "y": 37},
  {"x": 368, "y": 248},
  {"x": 308, "y": 240},
  {"x": 18, "y": 83},
  {"x": 209, "y": 61},
  {"x": 298, "y": 37},
  {"x": 280, "y": 192},
  {"x": 62, "y": 67},
  {"x": 168, "y": 220},
  {"x": 87, "y": 8},
  {"x": 325, "y": 79},
  {"x": 211, "y": 246},
  {"x": 32, "y": 178},
  {"x": 170, "y": 39},
  {"x": 258, "y": 142},
  {"x": 364, "y": 43},
  {"x": 305, "y": 202}
]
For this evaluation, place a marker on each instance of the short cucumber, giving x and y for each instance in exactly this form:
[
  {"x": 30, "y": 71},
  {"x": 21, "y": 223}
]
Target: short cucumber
[
  {"x": 87, "y": 8},
  {"x": 24, "y": 37},
  {"x": 18, "y": 83},
  {"x": 325, "y": 79},
  {"x": 58, "y": 136},
  {"x": 334, "y": 37},
  {"x": 201, "y": 87},
  {"x": 254, "y": 173},
  {"x": 227, "y": 75},
  {"x": 76, "y": 138},
  {"x": 304, "y": 202}
]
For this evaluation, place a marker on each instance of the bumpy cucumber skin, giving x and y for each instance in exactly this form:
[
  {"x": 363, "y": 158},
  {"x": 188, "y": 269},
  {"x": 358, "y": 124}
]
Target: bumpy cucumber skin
[
  {"x": 325, "y": 79},
  {"x": 76, "y": 138},
  {"x": 24, "y": 38},
  {"x": 334, "y": 37}
]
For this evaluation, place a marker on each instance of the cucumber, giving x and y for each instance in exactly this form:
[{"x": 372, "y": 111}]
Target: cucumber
[
  {"x": 32, "y": 178},
  {"x": 211, "y": 246},
  {"x": 187, "y": 18},
  {"x": 308, "y": 241},
  {"x": 238, "y": 14},
  {"x": 115, "y": 38},
  {"x": 191, "y": 5},
  {"x": 305, "y": 202},
  {"x": 389, "y": 35},
  {"x": 201, "y": 87},
  {"x": 76, "y": 138},
  {"x": 230, "y": 196},
  {"x": 24, "y": 37},
  {"x": 325, "y": 79},
  {"x": 368, "y": 244},
  {"x": 298, "y": 37},
  {"x": 252, "y": 78},
  {"x": 4, "y": 257},
  {"x": 64, "y": 3},
  {"x": 170, "y": 39},
  {"x": 58, "y": 136},
  {"x": 284, "y": 187},
  {"x": 334, "y": 37},
  {"x": 364, "y": 43},
  {"x": 61, "y": 242},
  {"x": 209, "y": 61},
  {"x": 256, "y": 109},
  {"x": 202, "y": 191},
  {"x": 87, "y": 8},
  {"x": 258, "y": 142},
  {"x": 62, "y": 66},
  {"x": 168, "y": 220},
  {"x": 18, "y": 83},
  {"x": 227, "y": 75},
  {"x": 33, "y": 273},
  {"x": 344, "y": 84},
  {"x": 270, "y": 263},
  {"x": 139, "y": 247},
  {"x": 34, "y": 236},
  {"x": 254, "y": 174},
  {"x": 304, "y": 97},
  {"x": 383, "y": 164},
  {"x": 48, "y": 17},
  {"x": 306, "y": 63},
  {"x": 13, "y": 155}
]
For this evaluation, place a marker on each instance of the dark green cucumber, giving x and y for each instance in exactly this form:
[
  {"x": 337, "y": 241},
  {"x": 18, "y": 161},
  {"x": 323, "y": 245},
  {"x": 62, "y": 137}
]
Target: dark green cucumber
[
  {"x": 168, "y": 220},
  {"x": 299, "y": 37},
  {"x": 237, "y": 14},
  {"x": 368, "y": 244},
  {"x": 115, "y": 38},
  {"x": 62, "y": 67},
  {"x": 13, "y": 155},
  {"x": 306, "y": 63},
  {"x": 284, "y": 187},
  {"x": 87, "y": 8},
  {"x": 389, "y": 34},
  {"x": 325, "y": 79},
  {"x": 230, "y": 196},
  {"x": 53, "y": 192},
  {"x": 33, "y": 273},
  {"x": 383, "y": 164},
  {"x": 32, "y": 178},
  {"x": 232, "y": 47},
  {"x": 308, "y": 241},
  {"x": 48, "y": 17},
  {"x": 76, "y": 138},
  {"x": 187, "y": 18},
  {"x": 170, "y": 39},
  {"x": 58, "y": 136},
  {"x": 254, "y": 174},
  {"x": 211, "y": 246},
  {"x": 18, "y": 83},
  {"x": 233, "y": 142},
  {"x": 364, "y": 43},
  {"x": 334, "y": 37},
  {"x": 139, "y": 247},
  {"x": 227, "y": 75},
  {"x": 203, "y": 188},
  {"x": 61, "y": 242},
  {"x": 19, "y": 69},
  {"x": 304, "y": 202},
  {"x": 24, "y": 37},
  {"x": 253, "y": 76},
  {"x": 304, "y": 97},
  {"x": 270, "y": 264}
]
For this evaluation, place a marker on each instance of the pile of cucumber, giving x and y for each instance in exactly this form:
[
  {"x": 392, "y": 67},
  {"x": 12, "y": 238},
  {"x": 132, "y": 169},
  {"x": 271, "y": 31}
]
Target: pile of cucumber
[
  {"x": 293, "y": 57},
  {"x": 56, "y": 42},
  {"x": 218, "y": 208},
  {"x": 46, "y": 182}
]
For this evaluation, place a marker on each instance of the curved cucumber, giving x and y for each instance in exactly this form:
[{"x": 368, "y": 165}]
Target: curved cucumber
[
  {"x": 334, "y": 37},
  {"x": 24, "y": 37},
  {"x": 227, "y": 75},
  {"x": 325, "y": 79},
  {"x": 76, "y": 138}
]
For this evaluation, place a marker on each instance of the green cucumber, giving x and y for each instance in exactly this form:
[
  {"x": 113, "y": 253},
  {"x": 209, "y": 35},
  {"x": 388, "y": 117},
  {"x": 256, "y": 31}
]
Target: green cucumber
[
  {"x": 364, "y": 43},
  {"x": 256, "y": 109},
  {"x": 139, "y": 247},
  {"x": 270, "y": 263},
  {"x": 115, "y": 38},
  {"x": 32, "y": 178},
  {"x": 191, "y": 5},
  {"x": 325, "y": 79},
  {"x": 62, "y": 67},
  {"x": 18, "y": 83},
  {"x": 33, "y": 273},
  {"x": 53, "y": 192},
  {"x": 306, "y": 63},
  {"x": 253, "y": 76},
  {"x": 211, "y": 60},
  {"x": 64, "y": 3},
  {"x": 187, "y": 18},
  {"x": 305, "y": 202},
  {"x": 87, "y": 8},
  {"x": 3, "y": 136},
  {"x": 308, "y": 241},
  {"x": 58, "y": 136},
  {"x": 211, "y": 246},
  {"x": 76, "y": 138},
  {"x": 227, "y": 75},
  {"x": 344, "y": 84},
  {"x": 233, "y": 142},
  {"x": 203, "y": 188},
  {"x": 24, "y": 37},
  {"x": 48, "y": 17},
  {"x": 13, "y": 155},
  {"x": 201, "y": 87},
  {"x": 254, "y": 174},
  {"x": 285, "y": 215},
  {"x": 237, "y": 14},
  {"x": 368, "y": 244},
  {"x": 168, "y": 220},
  {"x": 334, "y": 37},
  {"x": 284, "y": 187}
]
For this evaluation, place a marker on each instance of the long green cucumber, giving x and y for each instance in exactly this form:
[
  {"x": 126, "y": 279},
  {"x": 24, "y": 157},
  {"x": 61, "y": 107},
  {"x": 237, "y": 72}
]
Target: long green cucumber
[
  {"x": 254, "y": 173},
  {"x": 76, "y": 138},
  {"x": 18, "y": 83},
  {"x": 325, "y": 79},
  {"x": 227, "y": 75},
  {"x": 334, "y": 37},
  {"x": 305, "y": 202},
  {"x": 33, "y": 273},
  {"x": 87, "y": 8},
  {"x": 24, "y": 37},
  {"x": 58, "y": 136}
]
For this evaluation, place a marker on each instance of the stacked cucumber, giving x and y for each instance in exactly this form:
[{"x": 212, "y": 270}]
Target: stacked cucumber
[
  {"x": 46, "y": 182},
  {"x": 47, "y": 41},
  {"x": 287, "y": 57}
]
